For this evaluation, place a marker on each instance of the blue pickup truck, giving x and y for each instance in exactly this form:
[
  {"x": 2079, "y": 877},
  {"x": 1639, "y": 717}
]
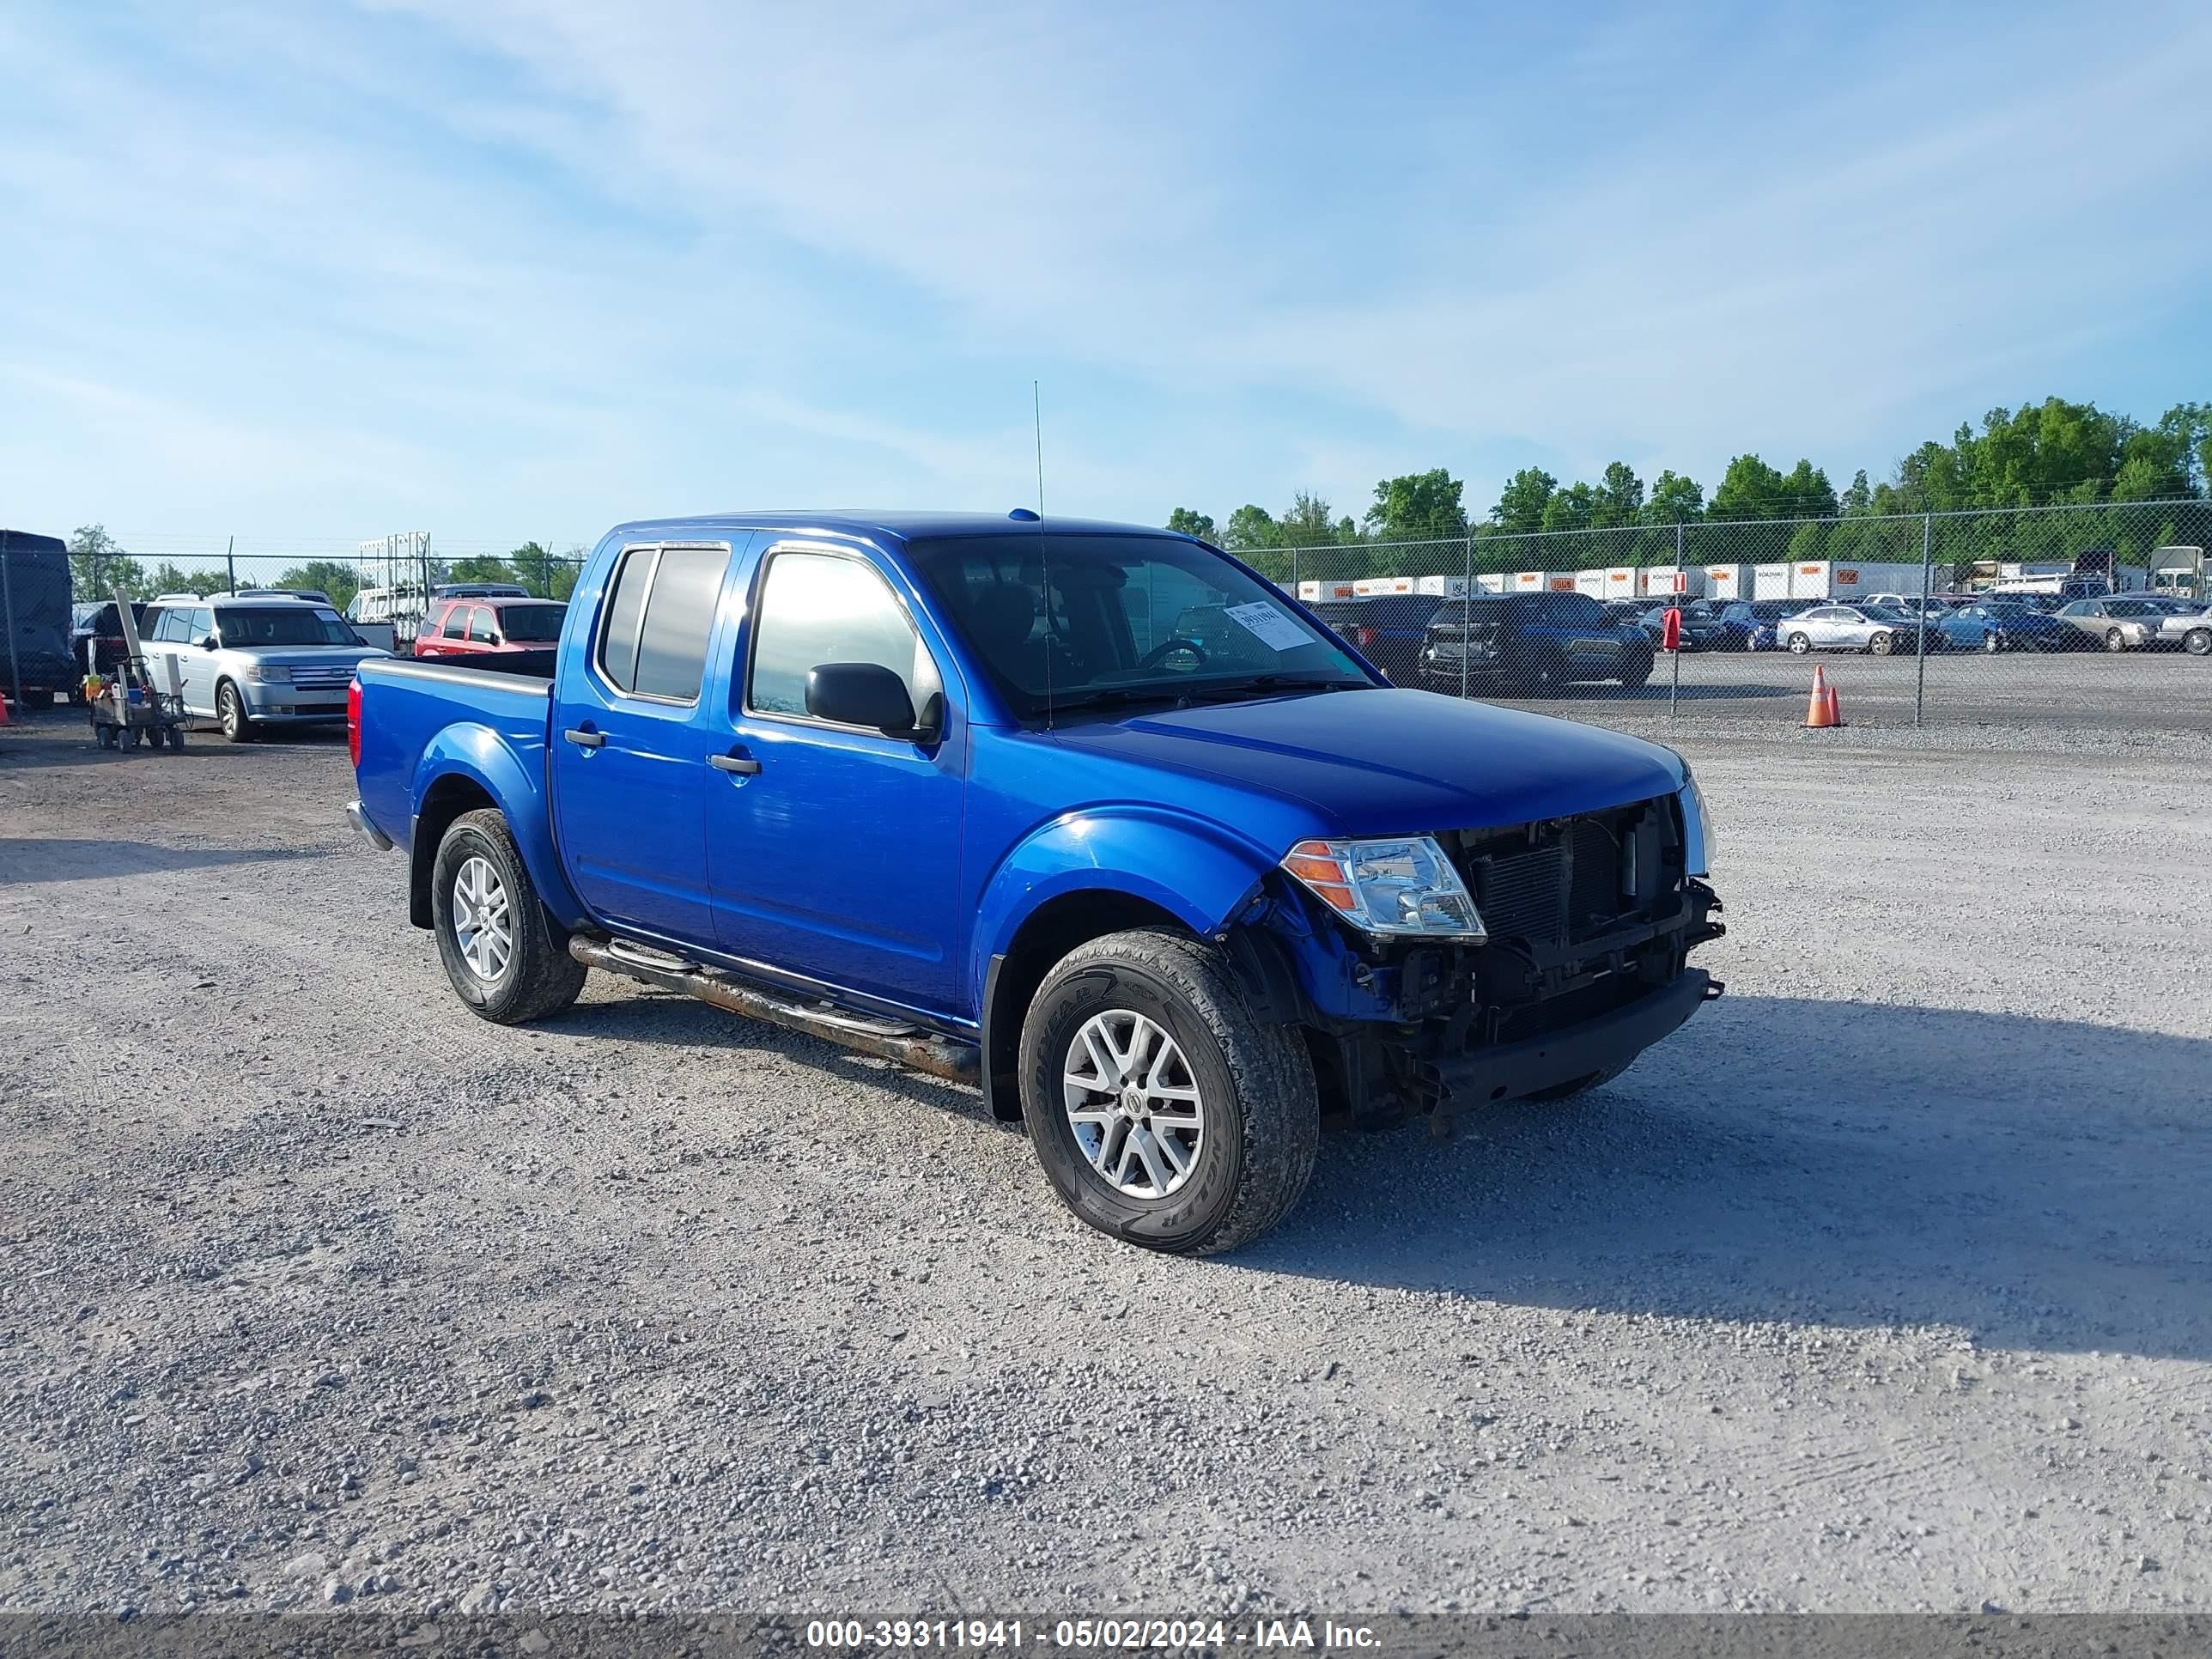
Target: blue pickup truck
[{"x": 957, "y": 791}]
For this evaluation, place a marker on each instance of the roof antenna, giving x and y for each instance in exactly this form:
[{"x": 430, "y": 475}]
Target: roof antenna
[{"x": 1044, "y": 571}]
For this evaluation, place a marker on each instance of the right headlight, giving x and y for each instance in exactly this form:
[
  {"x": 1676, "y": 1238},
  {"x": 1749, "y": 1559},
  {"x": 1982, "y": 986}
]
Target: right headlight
[{"x": 1402, "y": 886}]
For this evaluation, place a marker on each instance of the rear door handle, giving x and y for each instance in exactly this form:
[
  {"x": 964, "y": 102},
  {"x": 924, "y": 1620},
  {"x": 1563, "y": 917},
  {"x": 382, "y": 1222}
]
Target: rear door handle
[
  {"x": 743, "y": 765},
  {"x": 587, "y": 739}
]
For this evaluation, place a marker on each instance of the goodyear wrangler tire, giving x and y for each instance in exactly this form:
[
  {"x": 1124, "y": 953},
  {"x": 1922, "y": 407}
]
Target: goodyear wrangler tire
[
  {"x": 507, "y": 959},
  {"x": 1163, "y": 1111}
]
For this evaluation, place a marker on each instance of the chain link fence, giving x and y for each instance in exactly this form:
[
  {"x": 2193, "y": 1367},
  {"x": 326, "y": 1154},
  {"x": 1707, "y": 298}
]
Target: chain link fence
[{"x": 2085, "y": 615}]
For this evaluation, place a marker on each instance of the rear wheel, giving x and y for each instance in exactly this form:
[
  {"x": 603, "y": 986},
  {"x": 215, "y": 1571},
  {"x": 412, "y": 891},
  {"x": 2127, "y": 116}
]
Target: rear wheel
[
  {"x": 230, "y": 714},
  {"x": 2198, "y": 642},
  {"x": 38, "y": 697},
  {"x": 1163, "y": 1112},
  {"x": 1801, "y": 643},
  {"x": 1637, "y": 673},
  {"x": 2115, "y": 640},
  {"x": 507, "y": 959},
  {"x": 1992, "y": 643}
]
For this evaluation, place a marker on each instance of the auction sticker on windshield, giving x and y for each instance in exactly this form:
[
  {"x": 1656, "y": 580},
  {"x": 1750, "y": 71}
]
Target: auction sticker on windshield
[{"x": 1268, "y": 625}]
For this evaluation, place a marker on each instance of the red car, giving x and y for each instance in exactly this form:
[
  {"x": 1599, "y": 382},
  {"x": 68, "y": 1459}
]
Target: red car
[{"x": 461, "y": 629}]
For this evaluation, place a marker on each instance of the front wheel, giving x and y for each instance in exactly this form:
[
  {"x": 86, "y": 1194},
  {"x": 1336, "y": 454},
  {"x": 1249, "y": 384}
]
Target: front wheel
[
  {"x": 2115, "y": 640},
  {"x": 507, "y": 958},
  {"x": 1881, "y": 645},
  {"x": 1163, "y": 1111},
  {"x": 1992, "y": 643},
  {"x": 230, "y": 714},
  {"x": 1637, "y": 673}
]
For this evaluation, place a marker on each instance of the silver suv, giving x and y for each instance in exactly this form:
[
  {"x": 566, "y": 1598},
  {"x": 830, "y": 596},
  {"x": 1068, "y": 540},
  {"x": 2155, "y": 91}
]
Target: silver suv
[{"x": 249, "y": 663}]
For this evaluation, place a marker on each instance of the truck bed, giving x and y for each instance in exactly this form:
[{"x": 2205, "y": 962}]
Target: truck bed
[{"x": 408, "y": 704}]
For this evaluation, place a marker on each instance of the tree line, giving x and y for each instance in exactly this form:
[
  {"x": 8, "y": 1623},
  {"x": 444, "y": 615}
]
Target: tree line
[
  {"x": 98, "y": 565},
  {"x": 2047, "y": 455}
]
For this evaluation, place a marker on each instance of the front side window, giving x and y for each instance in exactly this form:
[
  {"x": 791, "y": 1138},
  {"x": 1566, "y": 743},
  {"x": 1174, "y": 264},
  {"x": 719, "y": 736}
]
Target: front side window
[
  {"x": 659, "y": 616},
  {"x": 817, "y": 608},
  {"x": 456, "y": 623},
  {"x": 1113, "y": 619}
]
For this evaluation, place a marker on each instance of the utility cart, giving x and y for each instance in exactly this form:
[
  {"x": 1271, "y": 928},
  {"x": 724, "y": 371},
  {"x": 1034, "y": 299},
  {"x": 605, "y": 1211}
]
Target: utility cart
[{"x": 130, "y": 709}]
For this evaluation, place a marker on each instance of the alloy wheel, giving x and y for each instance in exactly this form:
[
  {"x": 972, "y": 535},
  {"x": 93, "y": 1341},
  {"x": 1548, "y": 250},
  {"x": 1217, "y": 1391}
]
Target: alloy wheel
[
  {"x": 482, "y": 926},
  {"x": 1132, "y": 1105}
]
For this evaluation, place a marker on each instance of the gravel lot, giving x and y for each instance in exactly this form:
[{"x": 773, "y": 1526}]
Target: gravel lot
[{"x": 1885, "y": 1285}]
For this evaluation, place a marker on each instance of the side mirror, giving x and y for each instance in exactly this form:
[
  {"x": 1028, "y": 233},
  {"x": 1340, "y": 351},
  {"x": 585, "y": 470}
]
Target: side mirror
[
  {"x": 211, "y": 643},
  {"x": 864, "y": 694}
]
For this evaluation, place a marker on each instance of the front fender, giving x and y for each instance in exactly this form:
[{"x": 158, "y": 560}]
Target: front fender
[
  {"x": 1197, "y": 871},
  {"x": 485, "y": 758}
]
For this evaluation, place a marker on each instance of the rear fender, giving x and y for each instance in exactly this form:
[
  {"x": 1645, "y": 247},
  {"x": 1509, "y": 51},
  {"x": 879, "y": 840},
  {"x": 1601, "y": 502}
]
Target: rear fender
[{"x": 479, "y": 754}]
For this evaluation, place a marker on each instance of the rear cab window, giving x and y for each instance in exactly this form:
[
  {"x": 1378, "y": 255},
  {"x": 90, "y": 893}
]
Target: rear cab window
[{"x": 659, "y": 619}]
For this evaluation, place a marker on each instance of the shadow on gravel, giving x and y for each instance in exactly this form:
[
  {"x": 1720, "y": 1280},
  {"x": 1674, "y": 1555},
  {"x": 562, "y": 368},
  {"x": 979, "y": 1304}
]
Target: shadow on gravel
[
  {"x": 27, "y": 860},
  {"x": 2040, "y": 1183}
]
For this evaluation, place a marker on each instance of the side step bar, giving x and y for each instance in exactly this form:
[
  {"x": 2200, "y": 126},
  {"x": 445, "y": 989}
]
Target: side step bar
[{"x": 908, "y": 1045}]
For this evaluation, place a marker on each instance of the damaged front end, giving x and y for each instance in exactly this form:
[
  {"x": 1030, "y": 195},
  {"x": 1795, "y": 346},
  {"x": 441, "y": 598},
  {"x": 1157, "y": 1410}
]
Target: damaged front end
[{"x": 1570, "y": 958}]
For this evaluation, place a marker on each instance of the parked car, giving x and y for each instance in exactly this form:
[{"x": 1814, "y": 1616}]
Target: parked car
[
  {"x": 1388, "y": 629},
  {"x": 1867, "y": 628},
  {"x": 1532, "y": 643},
  {"x": 2188, "y": 630},
  {"x": 100, "y": 628},
  {"x": 487, "y": 632},
  {"x": 250, "y": 664},
  {"x": 953, "y": 791},
  {"x": 1751, "y": 624},
  {"x": 1701, "y": 629},
  {"x": 2122, "y": 622},
  {"x": 2002, "y": 625}
]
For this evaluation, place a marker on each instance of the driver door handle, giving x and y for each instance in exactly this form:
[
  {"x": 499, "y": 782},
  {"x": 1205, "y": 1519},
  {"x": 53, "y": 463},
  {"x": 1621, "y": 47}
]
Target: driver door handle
[
  {"x": 587, "y": 739},
  {"x": 744, "y": 766}
]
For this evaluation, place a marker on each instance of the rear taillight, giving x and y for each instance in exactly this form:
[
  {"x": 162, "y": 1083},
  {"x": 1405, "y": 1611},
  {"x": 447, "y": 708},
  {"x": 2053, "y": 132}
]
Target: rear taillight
[
  {"x": 353, "y": 719},
  {"x": 1363, "y": 637}
]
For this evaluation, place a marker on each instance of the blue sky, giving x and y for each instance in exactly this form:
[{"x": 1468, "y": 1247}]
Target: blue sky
[{"x": 522, "y": 268}]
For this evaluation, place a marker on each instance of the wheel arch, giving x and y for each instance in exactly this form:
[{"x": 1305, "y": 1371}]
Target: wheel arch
[{"x": 466, "y": 768}]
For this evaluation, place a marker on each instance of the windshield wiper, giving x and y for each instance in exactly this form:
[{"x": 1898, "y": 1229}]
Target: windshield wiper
[
  {"x": 1117, "y": 696},
  {"x": 1263, "y": 684}
]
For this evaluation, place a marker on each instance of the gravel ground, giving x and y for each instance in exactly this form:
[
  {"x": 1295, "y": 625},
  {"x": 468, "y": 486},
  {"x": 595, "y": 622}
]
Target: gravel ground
[{"x": 1883, "y": 1285}]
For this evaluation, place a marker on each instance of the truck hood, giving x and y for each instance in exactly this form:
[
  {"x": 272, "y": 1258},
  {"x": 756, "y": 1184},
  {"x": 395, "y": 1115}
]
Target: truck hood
[{"x": 1395, "y": 762}]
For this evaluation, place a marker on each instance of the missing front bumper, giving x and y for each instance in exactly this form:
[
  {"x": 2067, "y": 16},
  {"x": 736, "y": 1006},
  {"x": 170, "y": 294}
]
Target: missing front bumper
[{"x": 1513, "y": 1070}]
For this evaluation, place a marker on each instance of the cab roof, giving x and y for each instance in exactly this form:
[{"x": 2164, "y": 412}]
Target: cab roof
[{"x": 901, "y": 526}]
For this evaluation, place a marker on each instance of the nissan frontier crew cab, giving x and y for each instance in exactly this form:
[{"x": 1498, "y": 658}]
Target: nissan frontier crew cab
[{"x": 961, "y": 792}]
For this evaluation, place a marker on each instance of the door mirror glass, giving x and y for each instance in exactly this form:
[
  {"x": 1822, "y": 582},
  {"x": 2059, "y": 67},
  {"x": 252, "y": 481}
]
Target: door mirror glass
[
  {"x": 211, "y": 643},
  {"x": 861, "y": 694}
]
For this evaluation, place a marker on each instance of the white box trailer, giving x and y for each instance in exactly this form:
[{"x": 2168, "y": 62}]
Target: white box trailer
[
  {"x": 1368, "y": 586},
  {"x": 1591, "y": 583},
  {"x": 1541, "y": 582},
  {"x": 1450, "y": 587},
  {"x": 1621, "y": 583},
  {"x": 1724, "y": 582},
  {"x": 1667, "y": 581},
  {"x": 1327, "y": 590}
]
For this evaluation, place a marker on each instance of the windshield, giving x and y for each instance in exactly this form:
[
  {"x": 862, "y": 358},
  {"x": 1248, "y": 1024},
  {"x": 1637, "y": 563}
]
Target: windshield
[
  {"x": 1122, "y": 618},
  {"x": 536, "y": 623},
  {"x": 248, "y": 626}
]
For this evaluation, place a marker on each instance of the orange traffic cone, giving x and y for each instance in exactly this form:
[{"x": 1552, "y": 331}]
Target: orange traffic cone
[
  {"x": 1820, "y": 709},
  {"x": 1835, "y": 706},
  {"x": 3, "y": 711}
]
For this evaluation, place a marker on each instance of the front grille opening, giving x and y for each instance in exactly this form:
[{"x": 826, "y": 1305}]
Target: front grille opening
[{"x": 1553, "y": 883}]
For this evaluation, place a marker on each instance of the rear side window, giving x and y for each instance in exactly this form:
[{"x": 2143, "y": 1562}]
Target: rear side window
[
  {"x": 660, "y": 612},
  {"x": 480, "y": 627}
]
